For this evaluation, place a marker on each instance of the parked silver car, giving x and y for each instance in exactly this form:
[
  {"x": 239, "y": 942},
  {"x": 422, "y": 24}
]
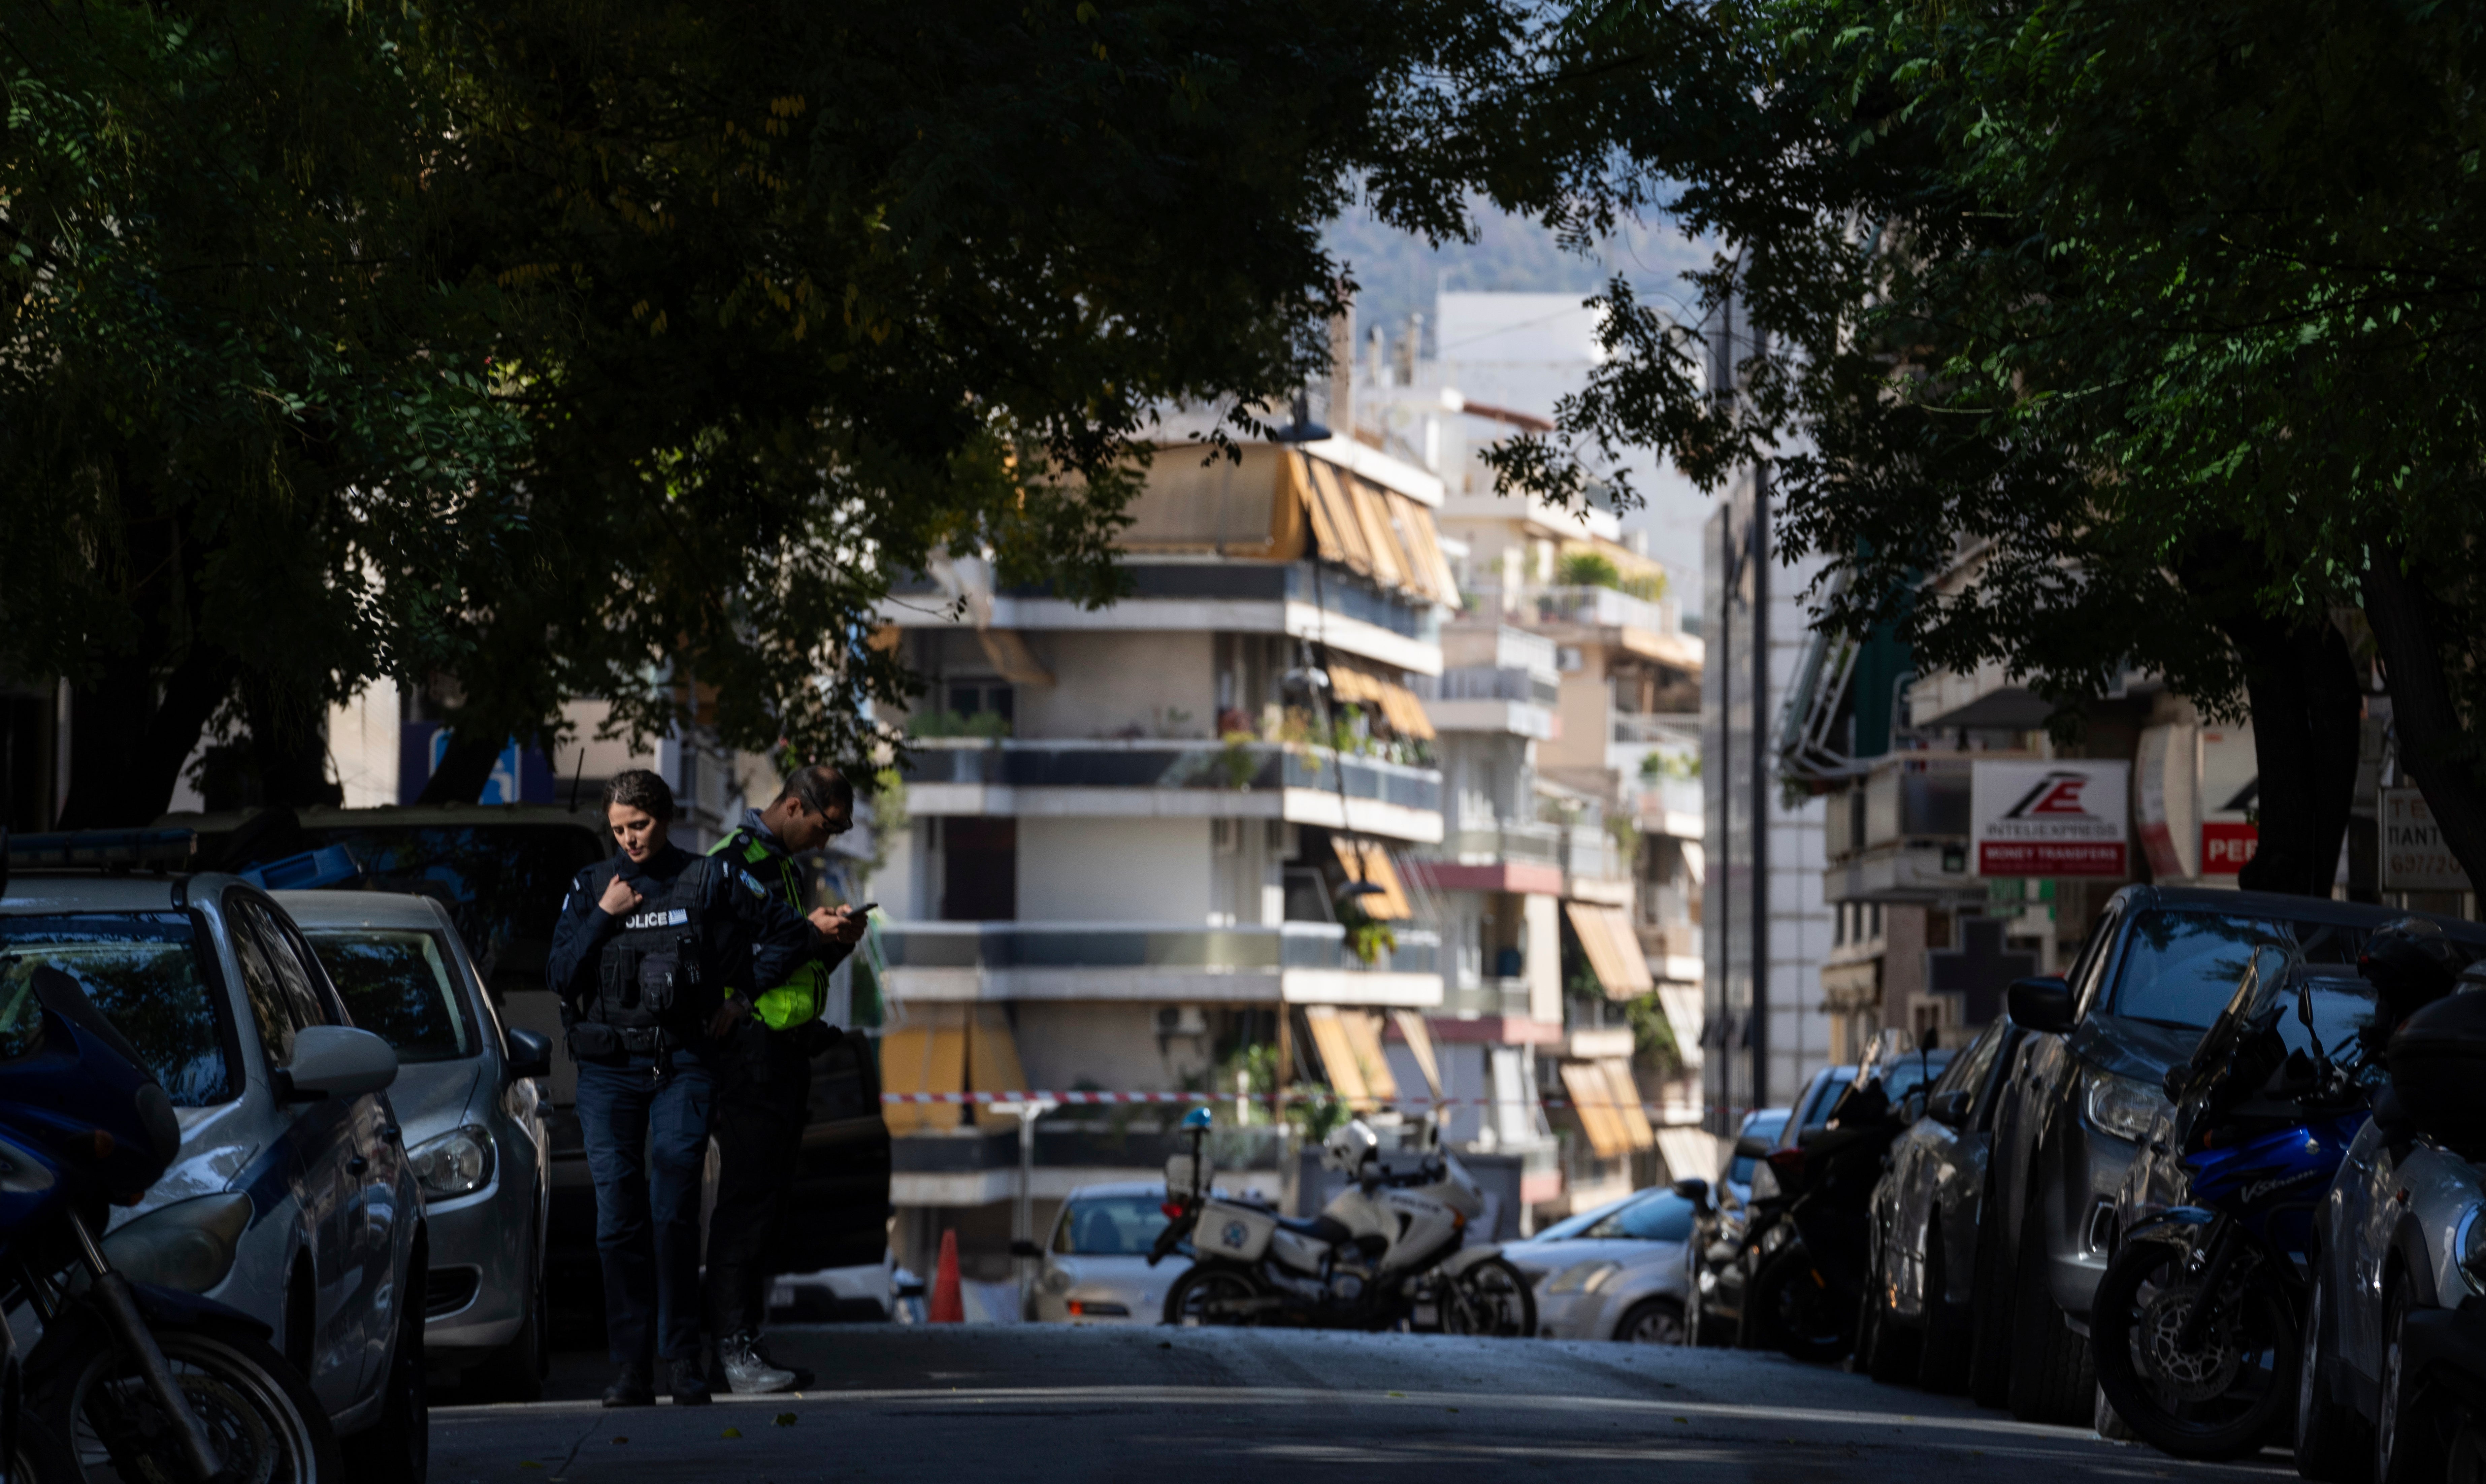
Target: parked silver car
[
  {"x": 1093, "y": 1269},
  {"x": 1620, "y": 1272},
  {"x": 292, "y": 1199},
  {"x": 469, "y": 1099}
]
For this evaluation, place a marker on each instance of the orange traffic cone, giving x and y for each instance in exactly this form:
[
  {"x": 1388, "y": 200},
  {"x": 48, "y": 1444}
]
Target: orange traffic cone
[{"x": 948, "y": 1305}]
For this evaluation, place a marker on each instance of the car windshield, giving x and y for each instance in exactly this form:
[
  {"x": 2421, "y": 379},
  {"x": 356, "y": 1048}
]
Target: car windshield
[
  {"x": 1109, "y": 1225},
  {"x": 503, "y": 884},
  {"x": 1664, "y": 1216},
  {"x": 1572, "y": 1225},
  {"x": 397, "y": 984},
  {"x": 1817, "y": 1103},
  {"x": 2180, "y": 968},
  {"x": 144, "y": 972}
]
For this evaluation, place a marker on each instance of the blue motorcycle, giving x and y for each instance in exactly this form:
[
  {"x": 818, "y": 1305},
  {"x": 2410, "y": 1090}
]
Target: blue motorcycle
[
  {"x": 129, "y": 1381},
  {"x": 2196, "y": 1325}
]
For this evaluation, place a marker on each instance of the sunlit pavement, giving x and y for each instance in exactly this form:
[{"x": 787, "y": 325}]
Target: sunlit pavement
[{"x": 1036, "y": 1403}]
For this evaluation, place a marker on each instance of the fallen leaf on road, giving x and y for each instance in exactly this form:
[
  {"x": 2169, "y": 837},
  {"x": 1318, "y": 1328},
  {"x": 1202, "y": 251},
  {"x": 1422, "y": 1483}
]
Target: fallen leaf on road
[
  {"x": 1165, "y": 1344},
  {"x": 620, "y": 1440},
  {"x": 1401, "y": 1394},
  {"x": 529, "y": 1463},
  {"x": 785, "y": 1420},
  {"x": 731, "y": 1432},
  {"x": 1450, "y": 1409},
  {"x": 1687, "y": 1421}
]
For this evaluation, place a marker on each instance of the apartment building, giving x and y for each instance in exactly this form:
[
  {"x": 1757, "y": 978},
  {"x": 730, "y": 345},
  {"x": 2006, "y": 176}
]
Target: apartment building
[{"x": 1163, "y": 846}]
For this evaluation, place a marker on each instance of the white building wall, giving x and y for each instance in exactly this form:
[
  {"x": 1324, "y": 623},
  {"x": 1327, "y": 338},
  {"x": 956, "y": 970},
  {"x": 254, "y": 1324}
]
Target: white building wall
[
  {"x": 1113, "y": 1047},
  {"x": 1115, "y": 870},
  {"x": 1106, "y": 683}
]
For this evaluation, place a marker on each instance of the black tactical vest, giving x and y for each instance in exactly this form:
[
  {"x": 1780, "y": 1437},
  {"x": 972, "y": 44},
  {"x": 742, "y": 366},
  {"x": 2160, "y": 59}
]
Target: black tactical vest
[{"x": 650, "y": 990}]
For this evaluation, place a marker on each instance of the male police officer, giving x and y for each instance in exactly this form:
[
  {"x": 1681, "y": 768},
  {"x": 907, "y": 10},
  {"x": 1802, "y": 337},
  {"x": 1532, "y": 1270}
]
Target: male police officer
[
  {"x": 646, "y": 945},
  {"x": 765, "y": 1082}
]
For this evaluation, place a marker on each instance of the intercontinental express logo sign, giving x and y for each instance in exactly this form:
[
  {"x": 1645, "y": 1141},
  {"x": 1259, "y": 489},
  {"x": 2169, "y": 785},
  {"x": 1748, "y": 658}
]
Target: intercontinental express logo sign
[{"x": 2064, "y": 818}]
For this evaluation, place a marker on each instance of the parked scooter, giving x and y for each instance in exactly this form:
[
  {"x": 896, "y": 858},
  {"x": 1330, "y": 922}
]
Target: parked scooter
[
  {"x": 1390, "y": 1250},
  {"x": 129, "y": 1381},
  {"x": 2197, "y": 1324},
  {"x": 1813, "y": 1235}
]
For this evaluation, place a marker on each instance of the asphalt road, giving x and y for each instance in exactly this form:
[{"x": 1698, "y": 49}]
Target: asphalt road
[{"x": 1027, "y": 1405}]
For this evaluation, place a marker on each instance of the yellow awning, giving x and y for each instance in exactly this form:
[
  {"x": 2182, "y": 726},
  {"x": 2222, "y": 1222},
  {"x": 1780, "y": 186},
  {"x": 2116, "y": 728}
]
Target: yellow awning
[
  {"x": 1349, "y": 1073},
  {"x": 1612, "y": 949},
  {"x": 1626, "y": 1093},
  {"x": 928, "y": 1053},
  {"x": 1336, "y": 522},
  {"x": 1429, "y": 569},
  {"x": 1367, "y": 861},
  {"x": 1592, "y": 1103},
  {"x": 1364, "y": 1036},
  {"x": 1380, "y": 542},
  {"x": 1406, "y": 713}
]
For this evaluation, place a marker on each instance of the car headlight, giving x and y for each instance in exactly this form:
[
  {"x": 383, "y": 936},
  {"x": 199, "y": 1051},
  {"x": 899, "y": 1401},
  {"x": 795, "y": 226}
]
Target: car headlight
[
  {"x": 457, "y": 1162},
  {"x": 2123, "y": 1105},
  {"x": 1583, "y": 1277},
  {"x": 2471, "y": 1245},
  {"x": 189, "y": 1245}
]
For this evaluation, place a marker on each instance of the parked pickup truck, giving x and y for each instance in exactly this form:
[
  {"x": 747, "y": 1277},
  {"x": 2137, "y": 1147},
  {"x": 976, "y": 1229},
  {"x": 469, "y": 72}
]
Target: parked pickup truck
[{"x": 2156, "y": 967}]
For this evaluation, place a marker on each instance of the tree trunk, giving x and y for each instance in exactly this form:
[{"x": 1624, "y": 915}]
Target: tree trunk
[
  {"x": 2434, "y": 745},
  {"x": 126, "y": 744},
  {"x": 288, "y": 747},
  {"x": 2302, "y": 686}
]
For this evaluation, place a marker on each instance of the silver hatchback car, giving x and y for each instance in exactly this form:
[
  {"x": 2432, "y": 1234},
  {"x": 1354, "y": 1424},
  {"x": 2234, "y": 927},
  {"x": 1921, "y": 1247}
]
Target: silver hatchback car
[{"x": 469, "y": 1098}]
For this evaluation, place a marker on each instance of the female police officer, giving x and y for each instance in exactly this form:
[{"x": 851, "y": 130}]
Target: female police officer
[{"x": 646, "y": 945}]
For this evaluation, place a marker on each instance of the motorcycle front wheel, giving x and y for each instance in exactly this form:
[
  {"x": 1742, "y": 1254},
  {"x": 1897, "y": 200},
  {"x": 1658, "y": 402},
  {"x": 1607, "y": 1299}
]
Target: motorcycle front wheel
[
  {"x": 1207, "y": 1295},
  {"x": 260, "y": 1413},
  {"x": 2220, "y": 1397},
  {"x": 1489, "y": 1297},
  {"x": 1793, "y": 1309}
]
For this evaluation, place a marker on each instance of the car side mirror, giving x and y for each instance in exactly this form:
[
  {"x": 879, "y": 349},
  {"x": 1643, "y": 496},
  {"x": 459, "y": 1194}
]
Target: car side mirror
[
  {"x": 336, "y": 1062},
  {"x": 1912, "y": 1108},
  {"x": 1693, "y": 1189},
  {"x": 2043, "y": 1003},
  {"x": 530, "y": 1055},
  {"x": 1949, "y": 1108},
  {"x": 1021, "y": 1247},
  {"x": 1753, "y": 1146}
]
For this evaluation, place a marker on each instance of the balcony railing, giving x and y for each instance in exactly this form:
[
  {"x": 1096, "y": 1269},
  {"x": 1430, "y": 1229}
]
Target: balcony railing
[
  {"x": 1589, "y": 851},
  {"x": 1517, "y": 840},
  {"x": 1167, "y": 763},
  {"x": 1603, "y": 608},
  {"x": 1180, "y": 947},
  {"x": 1505, "y": 998},
  {"x": 1651, "y": 726},
  {"x": 1477, "y": 683}
]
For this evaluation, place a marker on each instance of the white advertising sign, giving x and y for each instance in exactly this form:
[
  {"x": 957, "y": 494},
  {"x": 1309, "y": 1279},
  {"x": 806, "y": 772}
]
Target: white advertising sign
[
  {"x": 2063, "y": 818},
  {"x": 2415, "y": 858}
]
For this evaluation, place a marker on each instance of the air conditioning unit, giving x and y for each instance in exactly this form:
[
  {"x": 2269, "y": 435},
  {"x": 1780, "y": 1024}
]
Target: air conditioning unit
[{"x": 1181, "y": 1019}]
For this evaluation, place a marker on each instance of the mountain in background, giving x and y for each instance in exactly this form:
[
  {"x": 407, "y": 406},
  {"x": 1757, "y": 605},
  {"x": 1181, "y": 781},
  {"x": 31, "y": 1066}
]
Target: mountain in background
[{"x": 1398, "y": 274}]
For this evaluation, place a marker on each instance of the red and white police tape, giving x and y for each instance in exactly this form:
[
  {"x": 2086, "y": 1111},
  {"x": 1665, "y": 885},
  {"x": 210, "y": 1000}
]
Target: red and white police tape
[{"x": 1071, "y": 1098}]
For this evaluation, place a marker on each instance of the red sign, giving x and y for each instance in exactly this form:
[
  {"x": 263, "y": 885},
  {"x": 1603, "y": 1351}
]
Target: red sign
[
  {"x": 2226, "y": 847},
  {"x": 2051, "y": 858}
]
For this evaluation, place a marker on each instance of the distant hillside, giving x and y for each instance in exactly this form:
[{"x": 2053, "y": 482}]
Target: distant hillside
[{"x": 1396, "y": 274}]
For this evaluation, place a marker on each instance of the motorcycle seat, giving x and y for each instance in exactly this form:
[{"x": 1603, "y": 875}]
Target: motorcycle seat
[{"x": 1320, "y": 1229}]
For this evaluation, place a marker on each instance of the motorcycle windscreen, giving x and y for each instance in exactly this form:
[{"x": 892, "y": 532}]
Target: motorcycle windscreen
[{"x": 835, "y": 1215}]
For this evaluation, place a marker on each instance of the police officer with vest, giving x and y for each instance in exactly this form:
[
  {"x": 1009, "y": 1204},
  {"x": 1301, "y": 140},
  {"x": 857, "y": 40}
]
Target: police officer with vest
[
  {"x": 764, "y": 1083},
  {"x": 647, "y": 945}
]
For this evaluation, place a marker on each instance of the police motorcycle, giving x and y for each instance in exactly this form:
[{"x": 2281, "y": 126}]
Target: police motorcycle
[
  {"x": 2197, "y": 1324},
  {"x": 157, "y": 1384},
  {"x": 1812, "y": 1232},
  {"x": 1390, "y": 1250}
]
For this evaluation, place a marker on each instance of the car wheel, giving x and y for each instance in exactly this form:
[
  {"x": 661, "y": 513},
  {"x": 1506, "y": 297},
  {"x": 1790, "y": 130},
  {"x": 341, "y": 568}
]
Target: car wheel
[
  {"x": 516, "y": 1372},
  {"x": 2331, "y": 1441},
  {"x": 1652, "y": 1322},
  {"x": 1989, "y": 1314},
  {"x": 1889, "y": 1348},
  {"x": 1943, "y": 1358},
  {"x": 2051, "y": 1379},
  {"x": 396, "y": 1449},
  {"x": 2405, "y": 1449}
]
